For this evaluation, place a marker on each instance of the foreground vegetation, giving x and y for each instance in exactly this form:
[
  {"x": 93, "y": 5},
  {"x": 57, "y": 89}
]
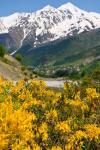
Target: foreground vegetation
[{"x": 33, "y": 117}]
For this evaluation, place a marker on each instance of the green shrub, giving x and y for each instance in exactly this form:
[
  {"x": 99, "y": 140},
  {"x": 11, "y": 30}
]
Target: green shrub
[
  {"x": 18, "y": 57},
  {"x": 2, "y": 51},
  {"x": 23, "y": 68}
]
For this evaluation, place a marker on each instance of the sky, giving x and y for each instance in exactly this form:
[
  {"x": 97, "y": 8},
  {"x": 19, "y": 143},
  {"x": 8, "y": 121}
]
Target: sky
[{"x": 8, "y": 7}]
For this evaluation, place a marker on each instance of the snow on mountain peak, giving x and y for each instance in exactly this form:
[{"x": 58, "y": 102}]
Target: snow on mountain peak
[
  {"x": 2, "y": 28},
  {"x": 49, "y": 23},
  {"x": 10, "y": 20},
  {"x": 70, "y": 7},
  {"x": 67, "y": 5},
  {"x": 47, "y": 8}
]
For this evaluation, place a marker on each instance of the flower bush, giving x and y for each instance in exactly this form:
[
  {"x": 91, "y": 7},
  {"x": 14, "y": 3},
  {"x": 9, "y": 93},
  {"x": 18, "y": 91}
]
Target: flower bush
[{"x": 34, "y": 117}]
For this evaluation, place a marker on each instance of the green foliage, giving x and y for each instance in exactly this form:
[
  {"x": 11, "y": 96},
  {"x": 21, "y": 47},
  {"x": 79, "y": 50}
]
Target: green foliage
[
  {"x": 96, "y": 74},
  {"x": 23, "y": 68},
  {"x": 93, "y": 70},
  {"x": 2, "y": 51},
  {"x": 19, "y": 57},
  {"x": 61, "y": 73}
]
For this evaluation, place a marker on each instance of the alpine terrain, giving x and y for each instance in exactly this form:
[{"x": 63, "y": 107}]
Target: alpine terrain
[
  {"x": 53, "y": 36},
  {"x": 45, "y": 25}
]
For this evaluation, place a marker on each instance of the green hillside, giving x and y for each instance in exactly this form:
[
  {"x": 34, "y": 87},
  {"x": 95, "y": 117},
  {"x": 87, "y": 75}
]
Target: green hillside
[{"x": 83, "y": 48}]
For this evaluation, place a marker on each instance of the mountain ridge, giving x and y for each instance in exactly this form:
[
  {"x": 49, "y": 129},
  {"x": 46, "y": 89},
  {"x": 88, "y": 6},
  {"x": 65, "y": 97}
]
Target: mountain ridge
[{"x": 47, "y": 24}]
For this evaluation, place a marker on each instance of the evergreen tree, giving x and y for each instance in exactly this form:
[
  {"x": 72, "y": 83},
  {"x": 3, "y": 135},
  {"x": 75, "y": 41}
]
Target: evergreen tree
[{"x": 2, "y": 51}]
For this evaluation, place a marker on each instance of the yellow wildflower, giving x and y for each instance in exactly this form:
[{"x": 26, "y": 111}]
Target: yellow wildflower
[
  {"x": 52, "y": 114},
  {"x": 63, "y": 126},
  {"x": 91, "y": 93},
  {"x": 92, "y": 131},
  {"x": 43, "y": 129},
  {"x": 56, "y": 148}
]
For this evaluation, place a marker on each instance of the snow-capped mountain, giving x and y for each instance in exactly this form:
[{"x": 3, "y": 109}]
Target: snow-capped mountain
[{"x": 47, "y": 24}]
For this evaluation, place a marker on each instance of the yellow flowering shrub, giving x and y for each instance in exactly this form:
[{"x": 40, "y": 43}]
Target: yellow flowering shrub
[
  {"x": 92, "y": 131},
  {"x": 34, "y": 117},
  {"x": 15, "y": 126},
  {"x": 43, "y": 131},
  {"x": 91, "y": 93},
  {"x": 56, "y": 148},
  {"x": 63, "y": 127}
]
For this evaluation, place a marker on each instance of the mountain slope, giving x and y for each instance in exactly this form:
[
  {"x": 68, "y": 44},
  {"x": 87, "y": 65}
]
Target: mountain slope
[
  {"x": 82, "y": 48},
  {"x": 47, "y": 24},
  {"x": 7, "y": 41},
  {"x": 10, "y": 68}
]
